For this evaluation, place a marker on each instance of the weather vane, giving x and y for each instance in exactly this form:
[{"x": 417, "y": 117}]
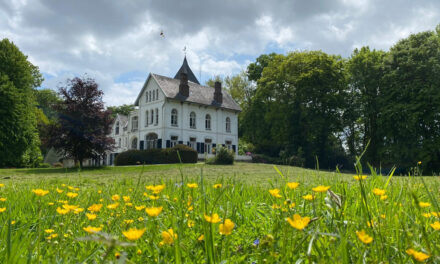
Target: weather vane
[{"x": 184, "y": 50}]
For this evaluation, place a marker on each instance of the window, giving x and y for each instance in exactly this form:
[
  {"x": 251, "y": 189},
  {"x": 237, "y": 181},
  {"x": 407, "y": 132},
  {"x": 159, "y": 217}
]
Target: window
[
  {"x": 192, "y": 120},
  {"x": 228, "y": 124},
  {"x": 117, "y": 128},
  {"x": 193, "y": 143},
  {"x": 134, "y": 143},
  {"x": 174, "y": 117},
  {"x": 208, "y": 122},
  {"x": 146, "y": 97},
  {"x": 173, "y": 141},
  {"x": 208, "y": 146},
  {"x": 146, "y": 118},
  {"x": 119, "y": 143},
  {"x": 151, "y": 140},
  {"x": 134, "y": 123},
  {"x": 151, "y": 117},
  {"x": 149, "y": 96},
  {"x": 157, "y": 117},
  {"x": 157, "y": 94},
  {"x": 228, "y": 144}
]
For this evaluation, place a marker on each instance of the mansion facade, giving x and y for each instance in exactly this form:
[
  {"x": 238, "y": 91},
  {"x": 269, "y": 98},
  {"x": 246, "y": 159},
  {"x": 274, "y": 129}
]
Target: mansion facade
[{"x": 170, "y": 111}]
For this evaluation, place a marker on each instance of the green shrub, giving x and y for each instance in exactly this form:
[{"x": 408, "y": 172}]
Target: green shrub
[
  {"x": 44, "y": 165},
  {"x": 157, "y": 156},
  {"x": 223, "y": 157}
]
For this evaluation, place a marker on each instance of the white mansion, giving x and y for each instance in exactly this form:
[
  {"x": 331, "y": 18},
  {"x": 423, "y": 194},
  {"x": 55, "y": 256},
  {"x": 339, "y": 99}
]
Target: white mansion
[{"x": 170, "y": 111}]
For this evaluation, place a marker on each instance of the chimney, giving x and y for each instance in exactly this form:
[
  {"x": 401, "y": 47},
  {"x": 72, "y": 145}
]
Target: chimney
[
  {"x": 218, "y": 96},
  {"x": 183, "y": 86}
]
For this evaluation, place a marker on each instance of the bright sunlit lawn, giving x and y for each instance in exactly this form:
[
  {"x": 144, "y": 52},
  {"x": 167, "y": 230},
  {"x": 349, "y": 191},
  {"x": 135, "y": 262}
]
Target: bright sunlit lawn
[{"x": 241, "y": 213}]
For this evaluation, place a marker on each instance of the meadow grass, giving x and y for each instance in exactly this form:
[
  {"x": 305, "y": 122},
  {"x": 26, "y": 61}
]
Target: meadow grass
[{"x": 377, "y": 219}]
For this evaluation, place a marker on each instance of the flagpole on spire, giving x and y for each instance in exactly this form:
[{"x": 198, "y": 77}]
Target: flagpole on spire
[{"x": 184, "y": 50}]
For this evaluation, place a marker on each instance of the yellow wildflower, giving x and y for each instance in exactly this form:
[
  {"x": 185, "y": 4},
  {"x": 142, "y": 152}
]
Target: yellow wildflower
[
  {"x": 168, "y": 237},
  {"x": 95, "y": 208},
  {"x": 92, "y": 230},
  {"x": 40, "y": 192},
  {"x": 126, "y": 198},
  {"x": 78, "y": 210},
  {"x": 59, "y": 190},
  {"x": 91, "y": 216},
  {"x": 378, "y": 192},
  {"x": 191, "y": 223},
  {"x": 292, "y": 185},
  {"x": 2, "y": 185},
  {"x": 62, "y": 211},
  {"x": 153, "y": 211},
  {"x": 51, "y": 236},
  {"x": 50, "y": 203},
  {"x": 321, "y": 188},
  {"x": 201, "y": 237},
  {"x": 308, "y": 197},
  {"x": 419, "y": 256},
  {"x": 2, "y": 199},
  {"x": 49, "y": 231},
  {"x": 129, "y": 204},
  {"x": 436, "y": 225},
  {"x": 217, "y": 186},
  {"x": 139, "y": 252},
  {"x": 214, "y": 218},
  {"x": 70, "y": 187},
  {"x": 156, "y": 189},
  {"x": 99, "y": 191},
  {"x": 117, "y": 255},
  {"x": 276, "y": 206},
  {"x": 133, "y": 233},
  {"x": 419, "y": 163},
  {"x": 227, "y": 227},
  {"x": 383, "y": 197},
  {"x": 128, "y": 221},
  {"x": 359, "y": 177},
  {"x": 113, "y": 206},
  {"x": 192, "y": 185},
  {"x": 116, "y": 197},
  {"x": 427, "y": 215},
  {"x": 275, "y": 193},
  {"x": 298, "y": 222},
  {"x": 153, "y": 197},
  {"x": 139, "y": 208},
  {"x": 423, "y": 204},
  {"x": 364, "y": 237},
  {"x": 140, "y": 219},
  {"x": 70, "y": 207}
]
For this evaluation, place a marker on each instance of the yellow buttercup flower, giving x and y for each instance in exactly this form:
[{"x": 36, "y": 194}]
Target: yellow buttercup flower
[
  {"x": 140, "y": 219},
  {"x": 424, "y": 205},
  {"x": 364, "y": 237},
  {"x": 359, "y": 177},
  {"x": 192, "y": 185},
  {"x": 419, "y": 163},
  {"x": 40, "y": 192},
  {"x": 217, "y": 186},
  {"x": 71, "y": 195},
  {"x": 214, "y": 218},
  {"x": 191, "y": 223},
  {"x": 292, "y": 185},
  {"x": 128, "y": 204},
  {"x": 2, "y": 199},
  {"x": 139, "y": 208},
  {"x": 49, "y": 231},
  {"x": 126, "y": 198},
  {"x": 436, "y": 225},
  {"x": 308, "y": 197},
  {"x": 113, "y": 206},
  {"x": 153, "y": 211},
  {"x": 168, "y": 237},
  {"x": 152, "y": 197},
  {"x": 383, "y": 197},
  {"x": 378, "y": 192},
  {"x": 128, "y": 221},
  {"x": 91, "y": 216},
  {"x": 70, "y": 207},
  {"x": 95, "y": 208},
  {"x": 275, "y": 193},
  {"x": 321, "y": 188},
  {"x": 133, "y": 233},
  {"x": 156, "y": 189},
  {"x": 116, "y": 197},
  {"x": 2, "y": 185},
  {"x": 78, "y": 210},
  {"x": 227, "y": 227},
  {"x": 59, "y": 190},
  {"x": 62, "y": 211},
  {"x": 298, "y": 222},
  {"x": 419, "y": 256},
  {"x": 139, "y": 252},
  {"x": 201, "y": 237},
  {"x": 92, "y": 230},
  {"x": 276, "y": 206},
  {"x": 427, "y": 215},
  {"x": 52, "y": 236}
]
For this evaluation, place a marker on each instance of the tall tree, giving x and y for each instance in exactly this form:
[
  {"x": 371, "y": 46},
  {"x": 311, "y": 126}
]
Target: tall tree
[
  {"x": 240, "y": 88},
  {"x": 365, "y": 71},
  {"x": 121, "y": 109},
  {"x": 84, "y": 125},
  {"x": 18, "y": 133},
  {"x": 255, "y": 69}
]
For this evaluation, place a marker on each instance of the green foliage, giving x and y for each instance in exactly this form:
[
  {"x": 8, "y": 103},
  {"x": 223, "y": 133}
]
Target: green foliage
[
  {"x": 19, "y": 140},
  {"x": 122, "y": 109},
  {"x": 223, "y": 156},
  {"x": 47, "y": 100},
  {"x": 157, "y": 156},
  {"x": 211, "y": 81},
  {"x": 255, "y": 70}
]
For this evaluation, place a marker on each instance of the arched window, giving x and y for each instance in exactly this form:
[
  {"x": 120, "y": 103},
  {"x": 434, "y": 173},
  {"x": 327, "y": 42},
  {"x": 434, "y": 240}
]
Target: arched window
[
  {"x": 134, "y": 123},
  {"x": 151, "y": 139},
  {"x": 228, "y": 124},
  {"x": 174, "y": 117},
  {"x": 192, "y": 120},
  {"x": 117, "y": 128},
  {"x": 149, "y": 96},
  {"x": 157, "y": 117},
  {"x": 146, "y": 118},
  {"x": 208, "y": 122},
  {"x": 134, "y": 143}
]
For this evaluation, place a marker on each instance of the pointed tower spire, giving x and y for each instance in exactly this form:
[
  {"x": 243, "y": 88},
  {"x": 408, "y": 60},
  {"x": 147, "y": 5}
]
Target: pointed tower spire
[{"x": 186, "y": 70}]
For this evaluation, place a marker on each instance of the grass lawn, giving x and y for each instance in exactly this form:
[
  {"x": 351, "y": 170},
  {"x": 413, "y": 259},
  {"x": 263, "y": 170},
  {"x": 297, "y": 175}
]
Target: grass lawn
[{"x": 241, "y": 213}]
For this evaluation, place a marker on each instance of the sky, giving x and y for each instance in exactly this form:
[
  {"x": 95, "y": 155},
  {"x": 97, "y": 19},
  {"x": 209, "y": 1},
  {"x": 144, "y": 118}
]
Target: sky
[{"x": 118, "y": 43}]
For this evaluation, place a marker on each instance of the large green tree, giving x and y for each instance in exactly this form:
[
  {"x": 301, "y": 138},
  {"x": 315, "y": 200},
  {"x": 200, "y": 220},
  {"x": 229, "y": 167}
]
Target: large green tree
[{"x": 19, "y": 142}]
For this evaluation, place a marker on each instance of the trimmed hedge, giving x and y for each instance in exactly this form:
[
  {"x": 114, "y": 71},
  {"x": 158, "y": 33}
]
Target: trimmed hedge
[
  {"x": 223, "y": 156},
  {"x": 157, "y": 156}
]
